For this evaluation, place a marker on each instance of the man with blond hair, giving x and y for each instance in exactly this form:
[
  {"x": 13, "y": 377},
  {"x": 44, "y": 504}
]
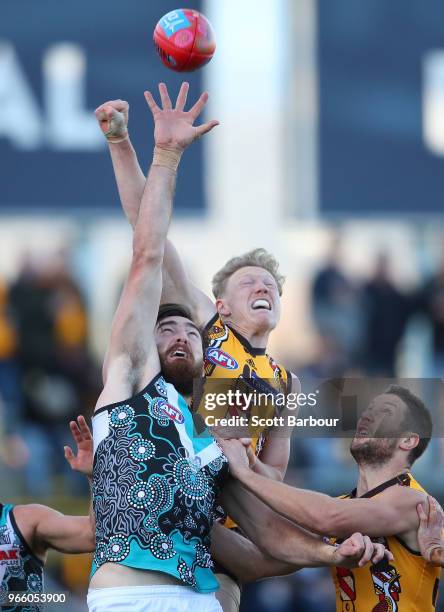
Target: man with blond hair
[{"x": 237, "y": 324}]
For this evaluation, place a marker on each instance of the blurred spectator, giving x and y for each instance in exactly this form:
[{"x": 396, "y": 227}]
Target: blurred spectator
[
  {"x": 431, "y": 302},
  {"x": 58, "y": 376},
  {"x": 337, "y": 306},
  {"x": 386, "y": 311}
]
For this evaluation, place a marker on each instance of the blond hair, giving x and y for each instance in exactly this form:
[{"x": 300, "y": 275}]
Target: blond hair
[{"x": 260, "y": 258}]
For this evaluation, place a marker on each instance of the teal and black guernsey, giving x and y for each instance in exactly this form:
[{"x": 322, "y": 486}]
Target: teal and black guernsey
[
  {"x": 155, "y": 487},
  {"x": 20, "y": 570}
]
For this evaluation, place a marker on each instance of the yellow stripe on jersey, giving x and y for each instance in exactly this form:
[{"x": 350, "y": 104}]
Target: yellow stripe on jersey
[{"x": 407, "y": 584}]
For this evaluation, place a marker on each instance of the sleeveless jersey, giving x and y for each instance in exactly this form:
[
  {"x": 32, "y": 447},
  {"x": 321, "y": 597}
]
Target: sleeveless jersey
[
  {"x": 20, "y": 570},
  {"x": 228, "y": 355},
  {"x": 407, "y": 584},
  {"x": 154, "y": 486}
]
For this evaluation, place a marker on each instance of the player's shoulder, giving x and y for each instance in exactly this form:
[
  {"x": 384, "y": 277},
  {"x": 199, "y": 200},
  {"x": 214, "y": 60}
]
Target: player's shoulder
[
  {"x": 216, "y": 329},
  {"x": 407, "y": 492}
]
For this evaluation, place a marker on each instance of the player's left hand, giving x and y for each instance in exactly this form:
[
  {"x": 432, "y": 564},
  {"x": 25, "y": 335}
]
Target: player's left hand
[
  {"x": 431, "y": 527},
  {"x": 83, "y": 461},
  {"x": 174, "y": 128},
  {"x": 358, "y": 550},
  {"x": 237, "y": 456}
]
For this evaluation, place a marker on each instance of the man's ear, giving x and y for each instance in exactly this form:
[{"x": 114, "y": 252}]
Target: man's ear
[
  {"x": 409, "y": 442},
  {"x": 222, "y": 308}
]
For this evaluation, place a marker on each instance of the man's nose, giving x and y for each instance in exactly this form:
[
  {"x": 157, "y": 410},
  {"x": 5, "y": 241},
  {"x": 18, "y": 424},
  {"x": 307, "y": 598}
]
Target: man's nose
[{"x": 180, "y": 338}]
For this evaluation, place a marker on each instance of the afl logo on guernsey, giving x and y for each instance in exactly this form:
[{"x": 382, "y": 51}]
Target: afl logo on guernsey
[
  {"x": 221, "y": 359},
  {"x": 173, "y": 413}
]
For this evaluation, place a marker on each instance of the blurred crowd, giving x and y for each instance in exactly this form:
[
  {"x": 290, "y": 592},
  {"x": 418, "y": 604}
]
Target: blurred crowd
[
  {"x": 47, "y": 374},
  {"x": 361, "y": 323}
]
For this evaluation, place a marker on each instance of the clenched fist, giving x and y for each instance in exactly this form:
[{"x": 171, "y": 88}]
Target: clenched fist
[{"x": 112, "y": 117}]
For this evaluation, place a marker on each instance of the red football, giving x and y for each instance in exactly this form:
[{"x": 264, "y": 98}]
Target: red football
[{"x": 184, "y": 39}]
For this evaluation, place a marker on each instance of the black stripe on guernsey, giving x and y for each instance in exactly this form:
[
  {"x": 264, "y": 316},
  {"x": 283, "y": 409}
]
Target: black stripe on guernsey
[
  {"x": 247, "y": 346},
  {"x": 129, "y": 399},
  {"x": 25, "y": 544},
  {"x": 402, "y": 479}
]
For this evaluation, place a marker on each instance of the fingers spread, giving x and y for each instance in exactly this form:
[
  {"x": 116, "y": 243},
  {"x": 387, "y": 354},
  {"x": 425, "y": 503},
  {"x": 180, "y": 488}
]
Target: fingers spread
[
  {"x": 68, "y": 453},
  {"x": 83, "y": 427},
  {"x": 151, "y": 103},
  {"x": 164, "y": 96},
  {"x": 197, "y": 108},
  {"x": 182, "y": 97},
  {"x": 205, "y": 127}
]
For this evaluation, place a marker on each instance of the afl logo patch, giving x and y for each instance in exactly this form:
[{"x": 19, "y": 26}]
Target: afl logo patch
[
  {"x": 221, "y": 359},
  {"x": 173, "y": 413}
]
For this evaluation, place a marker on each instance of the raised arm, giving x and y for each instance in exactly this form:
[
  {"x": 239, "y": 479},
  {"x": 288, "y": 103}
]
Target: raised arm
[
  {"x": 393, "y": 512},
  {"x": 132, "y": 358},
  {"x": 112, "y": 117}
]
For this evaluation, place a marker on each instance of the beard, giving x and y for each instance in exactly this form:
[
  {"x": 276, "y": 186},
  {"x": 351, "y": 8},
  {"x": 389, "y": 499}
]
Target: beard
[
  {"x": 180, "y": 373},
  {"x": 376, "y": 452}
]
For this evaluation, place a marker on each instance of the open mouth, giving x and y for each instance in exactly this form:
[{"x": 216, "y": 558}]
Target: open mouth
[
  {"x": 179, "y": 354},
  {"x": 362, "y": 431},
  {"x": 261, "y": 304}
]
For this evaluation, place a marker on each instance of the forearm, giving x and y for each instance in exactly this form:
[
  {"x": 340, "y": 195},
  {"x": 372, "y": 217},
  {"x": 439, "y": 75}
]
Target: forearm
[
  {"x": 273, "y": 534},
  {"x": 308, "y": 509},
  {"x": 155, "y": 212},
  {"x": 243, "y": 558},
  {"x": 129, "y": 178},
  {"x": 267, "y": 471}
]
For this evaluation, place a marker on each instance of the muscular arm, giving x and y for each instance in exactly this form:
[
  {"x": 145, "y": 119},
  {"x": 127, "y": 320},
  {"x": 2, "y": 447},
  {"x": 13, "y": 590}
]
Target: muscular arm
[
  {"x": 274, "y": 535},
  {"x": 391, "y": 513},
  {"x": 47, "y": 528},
  {"x": 132, "y": 357},
  {"x": 245, "y": 560},
  {"x": 176, "y": 285}
]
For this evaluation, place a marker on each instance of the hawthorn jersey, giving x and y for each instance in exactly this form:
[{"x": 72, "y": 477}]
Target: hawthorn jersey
[
  {"x": 407, "y": 584},
  {"x": 154, "y": 487},
  {"x": 228, "y": 355},
  {"x": 20, "y": 570}
]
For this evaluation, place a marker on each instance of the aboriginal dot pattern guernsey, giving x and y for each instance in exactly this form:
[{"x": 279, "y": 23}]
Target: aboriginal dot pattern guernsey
[
  {"x": 155, "y": 486},
  {"x": 20, "y": 570}
]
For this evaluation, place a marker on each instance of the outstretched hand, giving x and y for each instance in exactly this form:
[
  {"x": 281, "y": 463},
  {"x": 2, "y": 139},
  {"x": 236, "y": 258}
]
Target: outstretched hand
[
  {"x": 174, "y": 128},
  {"x": 83, "y": 461}
]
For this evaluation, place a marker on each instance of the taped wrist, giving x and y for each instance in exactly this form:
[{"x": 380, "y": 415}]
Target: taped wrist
[
  {"x": 168, "y": 158},
  {"x": 115, "y": 139},
  {"x": 118, "y": 131}
]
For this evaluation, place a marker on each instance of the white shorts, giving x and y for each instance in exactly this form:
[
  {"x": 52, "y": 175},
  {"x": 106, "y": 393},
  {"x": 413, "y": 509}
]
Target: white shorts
[{"x": 162, "y": 598}]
